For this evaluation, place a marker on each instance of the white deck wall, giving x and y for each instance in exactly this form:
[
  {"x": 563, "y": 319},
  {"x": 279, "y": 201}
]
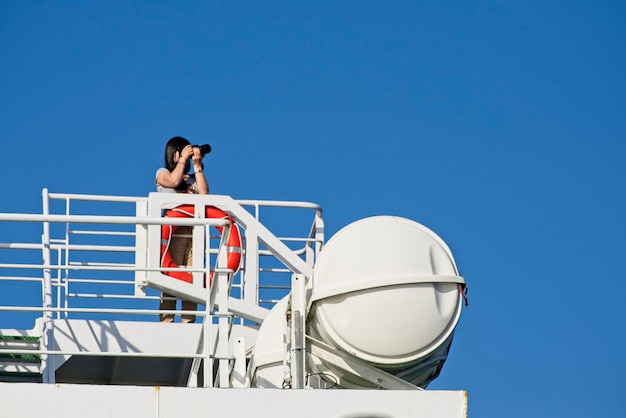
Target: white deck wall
[{"x": 29, "y": 400}]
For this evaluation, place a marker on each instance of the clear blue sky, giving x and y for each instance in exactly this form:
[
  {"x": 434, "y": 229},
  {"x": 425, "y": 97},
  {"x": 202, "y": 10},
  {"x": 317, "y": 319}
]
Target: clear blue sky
[{"x": 499, "y": 125}]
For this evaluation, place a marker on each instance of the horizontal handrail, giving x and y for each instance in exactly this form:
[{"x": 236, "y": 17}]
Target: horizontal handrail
[
  {"x": 134, "y": 199},
  {"x": 105, "y": 353},
  {"x": 73, "y": 247},
  {"x": 98, "y": 310},
  {"x": 281, "y": 204},
  {"x": 123, "y": 220},
  {"x": 101, "y": 267},
  {"x": 97, "y": 198}
]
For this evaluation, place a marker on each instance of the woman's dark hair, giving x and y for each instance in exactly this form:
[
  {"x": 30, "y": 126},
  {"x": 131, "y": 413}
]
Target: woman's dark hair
[{"x": 176, "y": 143}]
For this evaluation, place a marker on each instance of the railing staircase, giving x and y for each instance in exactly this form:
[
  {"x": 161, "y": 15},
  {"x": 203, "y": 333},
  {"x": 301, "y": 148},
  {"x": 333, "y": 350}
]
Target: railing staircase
[
  {"x": 16, "y": 364},
  {"x": 88, "y": 260}
]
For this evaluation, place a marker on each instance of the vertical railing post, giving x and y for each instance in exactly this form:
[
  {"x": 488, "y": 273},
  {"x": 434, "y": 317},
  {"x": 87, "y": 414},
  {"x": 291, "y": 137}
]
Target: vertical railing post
[
  {"x": 223, "y": 328},
  {"x": 47, "y": 361},
  {"x": 66, "y": 251},
  {"x": 298, "y": 314},
  {"x": 239, "y": 368},
  {"x": 141, "y": 254},
  {"x": 250, "y": 274},
  {"x": 319, "y": 232},
  {"x": 207, "y": 323}
]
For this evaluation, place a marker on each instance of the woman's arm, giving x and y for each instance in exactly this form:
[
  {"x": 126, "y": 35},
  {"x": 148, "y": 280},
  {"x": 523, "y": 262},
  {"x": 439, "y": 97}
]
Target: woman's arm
[
  {"x": 171, "y": 179},
  {"x": 201, "y": 183}
]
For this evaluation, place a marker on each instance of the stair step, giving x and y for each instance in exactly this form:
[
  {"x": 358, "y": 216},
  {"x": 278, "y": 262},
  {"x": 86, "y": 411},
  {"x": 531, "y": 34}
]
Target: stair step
[
  {"x": 19, "y": 367},
  {"x": 18, "y": 342},
  {"x": 21, "y": 377},
  {"x": 6, "y": 344},
  {"x": 18, "y": 339}
]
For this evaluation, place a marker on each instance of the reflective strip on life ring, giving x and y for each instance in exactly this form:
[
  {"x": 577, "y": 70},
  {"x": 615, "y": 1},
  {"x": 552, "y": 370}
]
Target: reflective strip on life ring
[{"x": 233, "y": 259}]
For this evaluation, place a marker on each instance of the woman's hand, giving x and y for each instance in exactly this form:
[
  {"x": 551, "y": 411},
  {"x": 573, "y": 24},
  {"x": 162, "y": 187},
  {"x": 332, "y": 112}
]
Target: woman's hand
[
  {"x": 187, "y": 153},
  {"x": 198, "y": 168},
  {"x": 196, "y": 156}
]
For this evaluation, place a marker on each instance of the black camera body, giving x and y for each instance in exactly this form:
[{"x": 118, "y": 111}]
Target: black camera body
[{"x": 204, "y": 149}]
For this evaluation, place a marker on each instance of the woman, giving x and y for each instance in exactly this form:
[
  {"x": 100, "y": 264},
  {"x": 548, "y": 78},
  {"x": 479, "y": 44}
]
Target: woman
[{"x": 175, "y": 178}]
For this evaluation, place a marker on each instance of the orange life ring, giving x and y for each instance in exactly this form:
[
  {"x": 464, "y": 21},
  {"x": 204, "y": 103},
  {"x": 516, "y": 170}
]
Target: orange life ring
[{"x": 187, "y": 211}]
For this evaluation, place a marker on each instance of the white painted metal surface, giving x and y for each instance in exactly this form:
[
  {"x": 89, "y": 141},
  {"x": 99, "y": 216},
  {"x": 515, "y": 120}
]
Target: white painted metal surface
[
  {"x": 374, "y": 308},
  {"x": 79, "y": 401}
]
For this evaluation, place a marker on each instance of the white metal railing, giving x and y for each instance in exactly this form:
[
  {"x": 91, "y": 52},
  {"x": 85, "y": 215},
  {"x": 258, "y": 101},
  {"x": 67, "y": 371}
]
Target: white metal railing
[{"x": 88, "y": 272}]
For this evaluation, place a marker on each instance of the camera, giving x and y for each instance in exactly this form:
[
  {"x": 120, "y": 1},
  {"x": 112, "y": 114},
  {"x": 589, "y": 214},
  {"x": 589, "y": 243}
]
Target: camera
[{"x": 204, "y": 149}]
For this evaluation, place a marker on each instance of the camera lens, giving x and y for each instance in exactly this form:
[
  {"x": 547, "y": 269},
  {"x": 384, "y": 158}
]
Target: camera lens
[{"x": 204, "y": 149}]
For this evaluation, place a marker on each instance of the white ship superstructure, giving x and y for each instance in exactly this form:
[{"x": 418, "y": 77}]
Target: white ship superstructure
[{"x": 356, "y": 326}]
